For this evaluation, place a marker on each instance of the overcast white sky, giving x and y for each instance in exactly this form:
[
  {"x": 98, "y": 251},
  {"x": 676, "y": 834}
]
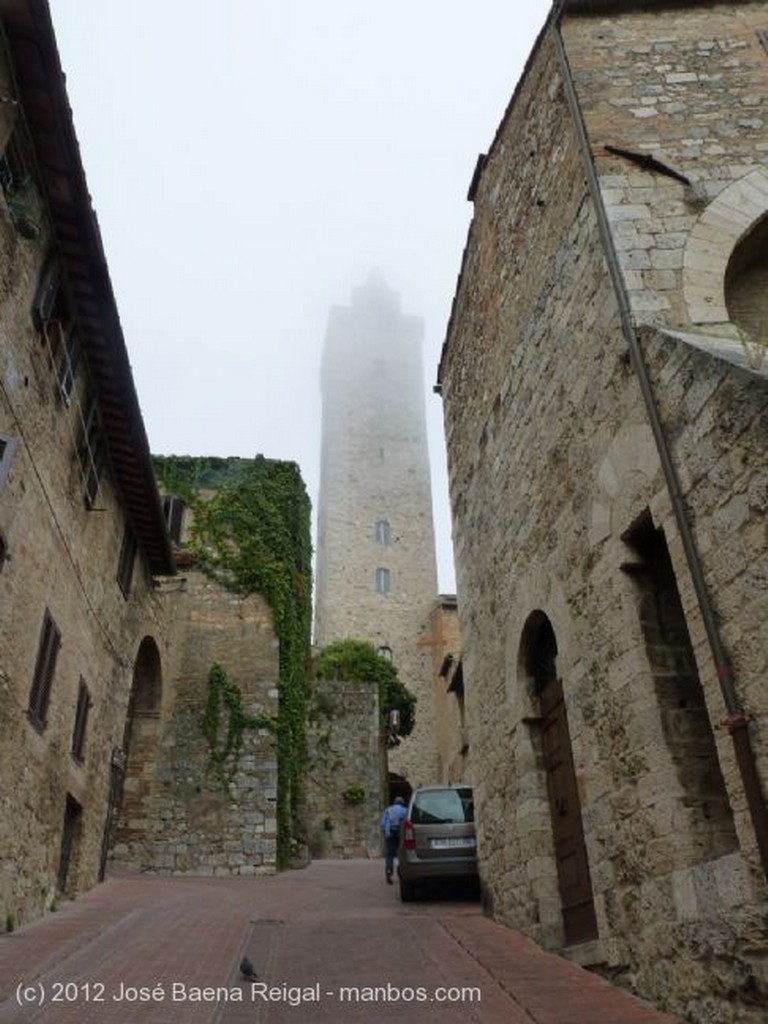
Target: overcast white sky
[{"x": 249, "y": 163}]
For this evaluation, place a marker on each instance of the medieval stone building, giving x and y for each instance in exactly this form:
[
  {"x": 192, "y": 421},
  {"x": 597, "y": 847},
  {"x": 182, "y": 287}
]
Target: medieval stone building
[
  {"x": 605, "y": 393},
  {"x": 81, "y": 527},
  {"x": 109, "y": 726},
  {"x": 376, "y": 567}
]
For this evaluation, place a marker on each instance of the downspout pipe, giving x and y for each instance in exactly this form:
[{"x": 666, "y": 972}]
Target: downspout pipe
[{"x": 737, "y": 720}]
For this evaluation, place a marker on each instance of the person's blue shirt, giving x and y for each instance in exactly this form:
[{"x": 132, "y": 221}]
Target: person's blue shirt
[{"x": 392, "y": 818}]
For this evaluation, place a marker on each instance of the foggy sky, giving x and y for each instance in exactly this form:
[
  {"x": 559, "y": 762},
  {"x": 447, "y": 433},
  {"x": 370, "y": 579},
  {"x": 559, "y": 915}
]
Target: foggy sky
[{"x": 250, "y": 163}]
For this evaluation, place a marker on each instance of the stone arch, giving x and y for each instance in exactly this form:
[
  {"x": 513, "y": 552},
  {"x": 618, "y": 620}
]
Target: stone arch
[
  {"x": 141, "y": 747},
  {"x": 538, "y": 658},
  {"x": 727, "y": 220},
  {"x": 746, "y": 281},
  {"x": 146, "y": 690},
  {"x": 627, "y": 470}
]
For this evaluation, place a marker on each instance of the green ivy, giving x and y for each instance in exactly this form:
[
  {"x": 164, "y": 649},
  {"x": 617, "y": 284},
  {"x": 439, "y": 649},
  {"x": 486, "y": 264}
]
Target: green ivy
[
  {"x": 252, "y": 535},
  {"x": 354, "y": 795},
  {"x": 358, "y": 660},
  {"x": 225, "y": 697}
]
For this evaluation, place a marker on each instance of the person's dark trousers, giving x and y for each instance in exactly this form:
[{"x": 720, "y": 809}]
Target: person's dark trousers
[{"x": 392, "y": 843}]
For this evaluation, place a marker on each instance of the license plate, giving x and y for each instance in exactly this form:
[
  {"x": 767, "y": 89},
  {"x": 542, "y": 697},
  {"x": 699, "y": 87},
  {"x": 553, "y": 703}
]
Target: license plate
[{"x": 463, "y": 842}]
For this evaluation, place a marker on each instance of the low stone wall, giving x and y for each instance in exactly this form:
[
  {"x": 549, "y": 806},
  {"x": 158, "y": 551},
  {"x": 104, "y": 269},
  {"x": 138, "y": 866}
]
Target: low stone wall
[{"x": 346, "y": 763}]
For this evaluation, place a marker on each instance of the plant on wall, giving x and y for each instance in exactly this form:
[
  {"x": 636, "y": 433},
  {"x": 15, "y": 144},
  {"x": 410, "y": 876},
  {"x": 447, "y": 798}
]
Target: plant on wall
[
  {"x": 252, "y": 535},
  {"x": 225, "y": 701}
]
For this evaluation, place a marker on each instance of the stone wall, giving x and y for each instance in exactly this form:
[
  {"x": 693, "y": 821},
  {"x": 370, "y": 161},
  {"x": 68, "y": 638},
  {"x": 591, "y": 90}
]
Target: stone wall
[
  {"x": 63, "y": 557},
  {"x": 451, "y": 732},
  {"x": 558, "y": 501},
  {"x": 345, "y": 778},
  {"x": 180, "y": 814}
]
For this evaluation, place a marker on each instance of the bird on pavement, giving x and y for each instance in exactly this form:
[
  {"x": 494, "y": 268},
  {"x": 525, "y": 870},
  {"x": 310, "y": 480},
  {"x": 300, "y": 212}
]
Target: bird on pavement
[{"x": 247, "y": 969}]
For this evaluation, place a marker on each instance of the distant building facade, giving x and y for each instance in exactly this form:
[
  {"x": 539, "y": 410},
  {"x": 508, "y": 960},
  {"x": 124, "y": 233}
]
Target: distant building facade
[
  {"x": 606, "y": 407},
  {"x": 376, "y": 565},
  {"x": 451, "y": 733}
]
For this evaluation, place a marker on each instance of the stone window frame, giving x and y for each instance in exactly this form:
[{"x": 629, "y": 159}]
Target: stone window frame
[{"x": 45, "y": 669}]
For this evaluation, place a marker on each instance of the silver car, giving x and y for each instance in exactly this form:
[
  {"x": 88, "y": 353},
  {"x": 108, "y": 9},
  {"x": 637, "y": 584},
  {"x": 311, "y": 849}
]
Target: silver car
[{"x": 437, "y": 838}]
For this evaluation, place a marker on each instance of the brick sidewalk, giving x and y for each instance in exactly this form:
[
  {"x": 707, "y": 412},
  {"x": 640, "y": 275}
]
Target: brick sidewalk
[{"x": 333, "y": 926}]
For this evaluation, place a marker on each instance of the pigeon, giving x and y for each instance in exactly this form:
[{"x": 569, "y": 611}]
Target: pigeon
[{"x": 247, "y": 969}]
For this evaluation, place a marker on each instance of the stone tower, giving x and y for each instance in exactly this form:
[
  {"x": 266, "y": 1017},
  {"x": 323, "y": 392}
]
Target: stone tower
[{"x": 376, "y": 567}]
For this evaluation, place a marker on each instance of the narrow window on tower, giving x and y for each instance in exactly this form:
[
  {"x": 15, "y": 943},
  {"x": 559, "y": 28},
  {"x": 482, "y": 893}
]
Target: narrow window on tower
[
  {"x": 385, "y": 653},
  {"x": 383, "y": 582},
  {"x": 383, "y": 532}
]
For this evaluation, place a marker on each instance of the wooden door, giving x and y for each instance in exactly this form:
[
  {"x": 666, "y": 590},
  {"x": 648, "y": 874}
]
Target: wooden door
[{"x": 565, "y": 808}]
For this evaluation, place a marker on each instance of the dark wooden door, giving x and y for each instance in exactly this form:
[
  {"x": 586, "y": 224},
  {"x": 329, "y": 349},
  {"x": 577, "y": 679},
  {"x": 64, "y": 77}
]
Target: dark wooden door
[
  {"x": 72, "y": 815},
  {"x": 570, "y": 852}
]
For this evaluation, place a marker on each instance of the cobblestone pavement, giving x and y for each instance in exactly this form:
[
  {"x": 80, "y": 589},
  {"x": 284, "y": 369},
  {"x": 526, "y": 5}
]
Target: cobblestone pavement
[{"x": 329, "y": 943}]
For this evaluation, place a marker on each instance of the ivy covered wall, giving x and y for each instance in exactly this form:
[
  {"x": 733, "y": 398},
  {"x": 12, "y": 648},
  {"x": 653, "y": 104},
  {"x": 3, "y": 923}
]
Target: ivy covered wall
[{"x": 250, "y": 532}]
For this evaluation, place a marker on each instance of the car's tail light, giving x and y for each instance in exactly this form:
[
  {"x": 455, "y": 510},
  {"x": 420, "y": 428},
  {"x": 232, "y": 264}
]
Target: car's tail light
[{"x": 409, "y": 841}]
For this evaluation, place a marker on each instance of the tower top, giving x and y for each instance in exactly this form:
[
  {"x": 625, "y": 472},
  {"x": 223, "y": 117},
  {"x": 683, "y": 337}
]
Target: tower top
[{"x": 375, "y": 294}]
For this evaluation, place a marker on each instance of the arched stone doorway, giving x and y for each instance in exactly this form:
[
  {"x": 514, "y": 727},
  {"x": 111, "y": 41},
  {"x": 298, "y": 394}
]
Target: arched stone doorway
[
  {"x": 746, "y": 285},
  {"x": 140, "y": 752},
  {"x": 574, "y": 882}
]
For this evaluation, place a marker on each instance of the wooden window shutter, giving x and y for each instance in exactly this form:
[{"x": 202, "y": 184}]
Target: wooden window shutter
[
  {"x": 45, "y": 667},
  {"x": 81, "y": 720}
]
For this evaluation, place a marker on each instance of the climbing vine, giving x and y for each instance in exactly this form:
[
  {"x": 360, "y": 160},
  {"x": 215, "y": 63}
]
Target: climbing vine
[
  {"x": 250, "y": 532},
  {"x": 224, "y": 698},
  {"x": 358, "y": 660}
]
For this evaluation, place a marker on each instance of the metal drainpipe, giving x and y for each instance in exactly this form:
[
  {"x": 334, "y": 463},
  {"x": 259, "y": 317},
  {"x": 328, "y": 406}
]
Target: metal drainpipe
[{"x": 737, "y": 720}]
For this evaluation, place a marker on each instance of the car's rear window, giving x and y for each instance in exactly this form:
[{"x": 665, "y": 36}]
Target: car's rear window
[{"x": 441, "y": 806}]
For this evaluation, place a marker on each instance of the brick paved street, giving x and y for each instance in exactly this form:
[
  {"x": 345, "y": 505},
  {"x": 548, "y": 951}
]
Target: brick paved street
[{"x": 310, "y": 934}]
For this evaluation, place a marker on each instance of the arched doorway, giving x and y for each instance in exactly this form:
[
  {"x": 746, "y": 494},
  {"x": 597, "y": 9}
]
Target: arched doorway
[
  {"x": 134, "y": 770},
  {"x": 746, "y": 286},
  {"x": 574, "y": 883}
]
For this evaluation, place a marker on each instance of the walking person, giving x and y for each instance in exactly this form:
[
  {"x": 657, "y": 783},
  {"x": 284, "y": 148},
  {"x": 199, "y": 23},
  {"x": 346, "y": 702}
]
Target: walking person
[{"x": 391, "y": 820}]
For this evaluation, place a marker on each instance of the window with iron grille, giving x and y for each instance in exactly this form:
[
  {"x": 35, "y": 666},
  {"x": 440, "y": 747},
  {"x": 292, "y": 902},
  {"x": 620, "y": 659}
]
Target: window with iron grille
[
  {"x": 8, "y": 447},
  {"x": 53, "y": 315},
  {"x": 45, "y": 667},
  {"x": 91, "y": 453},
  {"x": 47, "y": 292},
  {"x": 17, "y": 184},
  {"x": 63, "y": 345},
  {"x": 81, "y": 720},
  {"x": 127, "y": 561},
  {"x": 762, "y": 35}
]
